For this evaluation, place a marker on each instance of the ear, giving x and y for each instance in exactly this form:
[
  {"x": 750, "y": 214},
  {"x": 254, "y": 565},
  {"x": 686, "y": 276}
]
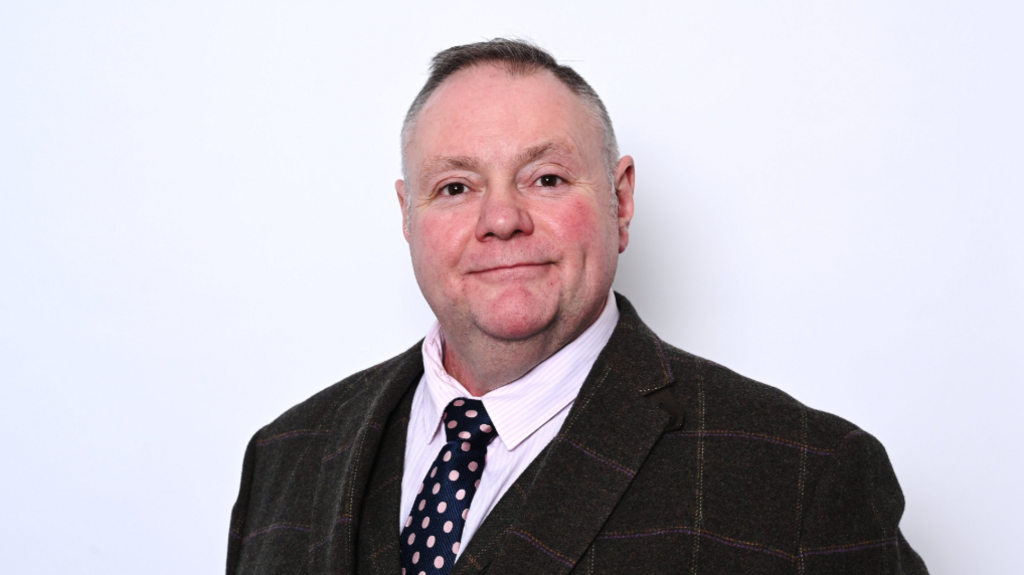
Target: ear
[
  {"x": 403, "y": 205},
  {"x": 625, "y": 177}
]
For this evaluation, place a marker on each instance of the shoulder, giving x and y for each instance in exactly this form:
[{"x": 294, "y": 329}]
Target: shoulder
[
  {"x": 720, "y": 401},
  {"x": 355, "y": 393}
]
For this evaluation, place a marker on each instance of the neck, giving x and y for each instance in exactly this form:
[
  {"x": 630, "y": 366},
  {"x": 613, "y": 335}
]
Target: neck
[
  {"x": 482, "y": 363},
  {"x": 483, "y": 366}
]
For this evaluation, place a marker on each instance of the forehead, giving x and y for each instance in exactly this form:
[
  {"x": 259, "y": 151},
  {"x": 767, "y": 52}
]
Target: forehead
[{"x": 484, "y": 112}]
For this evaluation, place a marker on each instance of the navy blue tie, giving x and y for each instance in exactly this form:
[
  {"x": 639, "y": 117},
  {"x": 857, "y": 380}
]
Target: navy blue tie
[{"x": 433, "y": 531}]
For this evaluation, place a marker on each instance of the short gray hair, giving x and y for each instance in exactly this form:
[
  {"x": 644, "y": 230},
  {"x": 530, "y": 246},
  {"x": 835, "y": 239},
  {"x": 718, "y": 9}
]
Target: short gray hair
[{"x": 518, "y": 58}]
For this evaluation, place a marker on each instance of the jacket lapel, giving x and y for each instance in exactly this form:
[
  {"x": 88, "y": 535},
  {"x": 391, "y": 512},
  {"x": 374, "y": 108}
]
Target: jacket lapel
[
  {"x": 591, "y": 462},
  {"x": 379, "y": 551},
  {"x": 486, "y": 543},
  {"x": 357, "y": 429}
]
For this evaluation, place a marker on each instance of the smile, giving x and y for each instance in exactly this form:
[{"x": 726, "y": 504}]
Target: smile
[{"x": 511, "y": 271}]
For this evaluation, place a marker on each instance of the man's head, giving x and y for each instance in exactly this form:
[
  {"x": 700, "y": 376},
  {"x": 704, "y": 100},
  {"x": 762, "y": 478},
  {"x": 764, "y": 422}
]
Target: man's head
[{"x": 506, "y": 197}]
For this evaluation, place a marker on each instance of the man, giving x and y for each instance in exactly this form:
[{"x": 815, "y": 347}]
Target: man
[{"x": 541, "y": 427}]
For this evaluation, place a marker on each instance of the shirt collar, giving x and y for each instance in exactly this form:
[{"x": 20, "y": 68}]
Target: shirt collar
[{"x": 521, "y": 407}]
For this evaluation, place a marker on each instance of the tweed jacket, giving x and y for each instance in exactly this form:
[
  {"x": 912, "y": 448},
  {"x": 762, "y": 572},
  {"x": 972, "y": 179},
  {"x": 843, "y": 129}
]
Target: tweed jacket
[{"x": 667, "y": 463}]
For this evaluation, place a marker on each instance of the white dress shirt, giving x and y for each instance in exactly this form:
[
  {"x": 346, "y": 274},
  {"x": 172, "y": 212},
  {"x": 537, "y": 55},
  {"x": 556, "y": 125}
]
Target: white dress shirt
[{"x": 527, "y": 414}]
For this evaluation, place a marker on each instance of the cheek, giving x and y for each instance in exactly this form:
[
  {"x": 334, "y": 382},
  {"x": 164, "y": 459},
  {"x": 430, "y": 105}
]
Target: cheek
[
  {"x": 436, "y": 243},
  {"x": 582, "y": 227}
]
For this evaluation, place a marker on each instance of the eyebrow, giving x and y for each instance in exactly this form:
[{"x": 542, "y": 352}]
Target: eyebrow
[
  {"x": 535, "y": 152},
  {"x": 433, "y": 166}
]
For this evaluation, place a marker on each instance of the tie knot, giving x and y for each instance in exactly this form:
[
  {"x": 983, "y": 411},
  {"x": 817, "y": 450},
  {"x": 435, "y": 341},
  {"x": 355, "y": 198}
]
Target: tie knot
[{"x": 467, "y": 420}]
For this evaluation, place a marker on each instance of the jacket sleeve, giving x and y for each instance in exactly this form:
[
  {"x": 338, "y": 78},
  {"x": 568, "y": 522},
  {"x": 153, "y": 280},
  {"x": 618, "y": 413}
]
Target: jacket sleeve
[
  {"x": 852, "y": 515},
  {"x": 236, "y": 532}
]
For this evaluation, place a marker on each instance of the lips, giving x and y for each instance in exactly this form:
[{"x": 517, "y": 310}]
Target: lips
[{"x": 524, "y": 266}]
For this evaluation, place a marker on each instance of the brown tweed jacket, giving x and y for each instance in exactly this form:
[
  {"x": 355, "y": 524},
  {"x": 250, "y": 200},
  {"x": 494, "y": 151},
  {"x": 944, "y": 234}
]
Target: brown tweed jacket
[{"x": 667, "y": 463}]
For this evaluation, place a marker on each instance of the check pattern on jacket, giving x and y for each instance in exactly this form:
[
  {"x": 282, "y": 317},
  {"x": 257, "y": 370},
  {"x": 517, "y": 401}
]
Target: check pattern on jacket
[{"x": 667, "y": 463}]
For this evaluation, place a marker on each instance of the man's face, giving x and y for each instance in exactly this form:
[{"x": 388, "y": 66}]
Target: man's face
[{"x": 510, "y": 221}]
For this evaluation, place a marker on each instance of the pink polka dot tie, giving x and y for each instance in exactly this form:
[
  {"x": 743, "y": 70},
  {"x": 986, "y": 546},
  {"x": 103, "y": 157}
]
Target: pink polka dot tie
[{"x": 433, "y": 531}]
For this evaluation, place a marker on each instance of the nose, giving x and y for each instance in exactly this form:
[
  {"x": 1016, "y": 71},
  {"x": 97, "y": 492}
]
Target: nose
[{"x": 503, "y": 215}]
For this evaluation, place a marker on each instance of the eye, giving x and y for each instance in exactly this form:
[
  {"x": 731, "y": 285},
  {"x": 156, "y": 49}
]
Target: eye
[
  {"x": 549, "y": 180},
  {"x": 454, "y": 189}
]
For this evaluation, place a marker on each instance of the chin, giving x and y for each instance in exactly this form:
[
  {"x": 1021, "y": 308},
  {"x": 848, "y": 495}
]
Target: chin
[{"x": 516, "y": 315}]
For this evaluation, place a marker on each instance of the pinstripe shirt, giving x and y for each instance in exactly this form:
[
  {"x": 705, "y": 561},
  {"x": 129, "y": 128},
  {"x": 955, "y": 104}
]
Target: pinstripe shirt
[{"x": 527, "y": 414}]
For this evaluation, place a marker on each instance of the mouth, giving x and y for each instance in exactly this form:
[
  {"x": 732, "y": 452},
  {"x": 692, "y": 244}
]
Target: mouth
[
  {"x": 510, "y": 271},
  {"x": 523, "y": 265}
]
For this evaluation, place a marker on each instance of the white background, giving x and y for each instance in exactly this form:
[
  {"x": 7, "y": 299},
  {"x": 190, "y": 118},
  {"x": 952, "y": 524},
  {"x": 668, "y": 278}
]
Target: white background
[{"x": 198, "y": 230}]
